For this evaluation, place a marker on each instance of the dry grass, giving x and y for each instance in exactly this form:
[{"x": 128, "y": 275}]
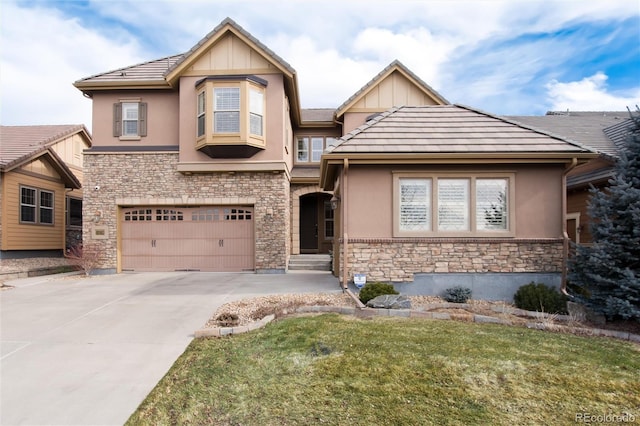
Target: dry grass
[{"x": 330, "y": 369}]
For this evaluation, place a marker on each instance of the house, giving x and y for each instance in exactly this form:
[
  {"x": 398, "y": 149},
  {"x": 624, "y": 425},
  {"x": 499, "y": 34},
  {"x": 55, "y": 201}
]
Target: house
[
  {"x": 461, "y": 198},
  {"x": 40, "y": 188},
  {"x": 206, "y": 161},
  {"x": 602, "y": 131}
]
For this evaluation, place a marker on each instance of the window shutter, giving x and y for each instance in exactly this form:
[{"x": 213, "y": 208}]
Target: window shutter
[
  {"x": 142, "y": 119},
  {"x": 117, "y": 119}
]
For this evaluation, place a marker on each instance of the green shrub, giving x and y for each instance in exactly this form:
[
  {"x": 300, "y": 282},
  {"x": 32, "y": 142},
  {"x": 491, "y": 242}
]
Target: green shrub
[
  {"x": 373, "y": 290},
  {"x": 540, "y": 298},
  {"x": 457, "y": 294}
]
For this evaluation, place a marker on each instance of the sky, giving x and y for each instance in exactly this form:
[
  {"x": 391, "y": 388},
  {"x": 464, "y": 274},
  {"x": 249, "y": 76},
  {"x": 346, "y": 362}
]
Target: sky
[{"x": 511, "y": 57}]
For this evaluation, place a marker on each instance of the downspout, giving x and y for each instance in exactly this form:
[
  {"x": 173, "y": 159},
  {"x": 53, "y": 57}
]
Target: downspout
[
  {"x": 345, "y": 234},
  {"x": 565, "y": 234}
]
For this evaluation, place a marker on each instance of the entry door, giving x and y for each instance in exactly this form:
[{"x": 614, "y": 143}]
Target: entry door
[{"x": 309, "y": 224}]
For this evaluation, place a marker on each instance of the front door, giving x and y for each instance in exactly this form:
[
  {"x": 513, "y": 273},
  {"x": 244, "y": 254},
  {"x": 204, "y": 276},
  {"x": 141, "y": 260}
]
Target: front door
[
  {"x": 309, "y": 224},
  {"x": 316, "y": 223}
]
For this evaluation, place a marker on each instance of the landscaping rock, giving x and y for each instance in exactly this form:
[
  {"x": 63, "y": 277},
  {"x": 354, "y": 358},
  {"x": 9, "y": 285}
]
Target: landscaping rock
[{"x": 390, "y": 301}]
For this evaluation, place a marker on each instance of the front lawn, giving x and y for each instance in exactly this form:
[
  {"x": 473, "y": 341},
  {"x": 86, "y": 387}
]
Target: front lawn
[{"x": 338, "y": 370}]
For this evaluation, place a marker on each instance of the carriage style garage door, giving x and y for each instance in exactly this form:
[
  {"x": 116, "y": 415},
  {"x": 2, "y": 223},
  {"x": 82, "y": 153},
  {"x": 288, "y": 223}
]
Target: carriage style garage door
[{"x": 213, "y": 239}]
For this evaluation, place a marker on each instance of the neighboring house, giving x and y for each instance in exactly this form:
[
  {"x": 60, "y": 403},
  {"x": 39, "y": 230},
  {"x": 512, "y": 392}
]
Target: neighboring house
[
  {"x": 602, "y": 131},
  {"x": 206, "y": 161},
  {"x": 40, "y": 188}
]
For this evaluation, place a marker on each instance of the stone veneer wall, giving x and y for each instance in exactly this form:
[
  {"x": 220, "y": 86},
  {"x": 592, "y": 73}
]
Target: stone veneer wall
[
  {"x": 400, "y": 260},
  {"x": 152, "y": 179}
]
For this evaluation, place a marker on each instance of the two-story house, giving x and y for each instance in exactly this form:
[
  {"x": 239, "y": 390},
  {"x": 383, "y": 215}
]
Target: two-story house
[{"x": 206, "y": 161}]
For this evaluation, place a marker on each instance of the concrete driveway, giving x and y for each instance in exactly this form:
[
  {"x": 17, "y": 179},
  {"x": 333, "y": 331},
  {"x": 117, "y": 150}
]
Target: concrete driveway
[{"x": 78, "y": 351}]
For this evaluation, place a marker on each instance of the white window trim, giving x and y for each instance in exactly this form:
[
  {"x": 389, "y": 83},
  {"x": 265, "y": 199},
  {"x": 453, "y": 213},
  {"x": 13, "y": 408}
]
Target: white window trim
[
  {"x": 433, "y": 230},
  {"x": 326, "y": 142},
  {"x": 37, "y": 206}
]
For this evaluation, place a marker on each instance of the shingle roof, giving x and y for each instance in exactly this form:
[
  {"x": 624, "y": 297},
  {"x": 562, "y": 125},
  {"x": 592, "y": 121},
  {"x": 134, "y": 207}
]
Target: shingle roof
[
  {"x": 449, "y": 129},
  {"x": 157, "y": 70},
  {"x": 585, "y": 127},
  {"x": 20, "y": 142},
  {"x": 154, "y": 70},
  {"x": 317, "y": 114},
  {"x": 618, "y": 133}
]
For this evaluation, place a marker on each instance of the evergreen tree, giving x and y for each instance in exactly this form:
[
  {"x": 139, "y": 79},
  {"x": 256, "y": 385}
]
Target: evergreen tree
[{"x": 609, "y": 270}]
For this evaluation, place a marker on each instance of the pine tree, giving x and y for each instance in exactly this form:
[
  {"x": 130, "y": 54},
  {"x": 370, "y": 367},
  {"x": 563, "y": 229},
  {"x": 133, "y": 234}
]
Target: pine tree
[{"x": 608, "y": 272}]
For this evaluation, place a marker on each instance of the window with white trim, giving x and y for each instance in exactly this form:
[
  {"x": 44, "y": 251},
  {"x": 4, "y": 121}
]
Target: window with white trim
[
  {"x": 309, "y": 149},
  {"x": 129, "y": 119},
  {"x": 453, "y": 205},
  {"x": 256, "y": 112},
  {"x": 201, "y": 114},
  {"x": 36, "y": 206},
  {"x": 230, "y": 115},
  {"x": 226, "y": 110}
]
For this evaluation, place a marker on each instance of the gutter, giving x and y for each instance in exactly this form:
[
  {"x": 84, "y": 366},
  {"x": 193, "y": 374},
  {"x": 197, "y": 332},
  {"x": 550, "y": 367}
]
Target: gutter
[
  {"x": 345, "y": 235},
  {"x": 565, "y": 234}
]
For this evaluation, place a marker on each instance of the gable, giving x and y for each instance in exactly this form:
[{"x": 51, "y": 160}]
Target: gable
[
  {"x": 394, "y": 86},
  {"x": 395, "y": 90},
  {"x": 41, "y": 167},
  {"x": 231, "y": 54}
]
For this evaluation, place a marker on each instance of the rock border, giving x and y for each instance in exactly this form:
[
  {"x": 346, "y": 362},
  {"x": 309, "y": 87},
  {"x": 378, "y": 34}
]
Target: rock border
[{"x": 424, "y": 313}]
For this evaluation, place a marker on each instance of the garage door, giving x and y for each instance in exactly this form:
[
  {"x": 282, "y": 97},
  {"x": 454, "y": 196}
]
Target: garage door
[{"x": 215, "y": 239}]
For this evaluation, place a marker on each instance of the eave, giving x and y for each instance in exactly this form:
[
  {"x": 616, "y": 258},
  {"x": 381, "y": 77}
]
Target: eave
[
  {"x": 331, "y": 163},
  {"x": 67, "y": 176},
  {"x": 90, "y": 87}
]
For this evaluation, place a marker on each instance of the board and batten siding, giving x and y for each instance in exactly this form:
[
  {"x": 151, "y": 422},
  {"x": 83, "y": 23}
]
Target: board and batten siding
[{"x": 17, "y": 236}]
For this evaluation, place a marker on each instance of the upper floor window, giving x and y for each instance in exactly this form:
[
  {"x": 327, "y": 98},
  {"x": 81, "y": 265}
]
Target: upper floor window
[
  {"x": 129, "y": 119},
  {"x": 36, "y": 206},
  {"x": 201, "y": 113},
  {"x": 309, "y": 149},
  {"x": 452, "y": 205},
  {"x": 232, "y": 124},
  {"x": 226, "y": 110}
]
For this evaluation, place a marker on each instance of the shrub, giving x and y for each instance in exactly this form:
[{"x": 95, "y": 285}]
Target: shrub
[
  {"x": 540, "y": 298},
  {"x": 373, "y": 290},
  {"x": 85, "y": 258},
  {"x": 457, "y": 294}
]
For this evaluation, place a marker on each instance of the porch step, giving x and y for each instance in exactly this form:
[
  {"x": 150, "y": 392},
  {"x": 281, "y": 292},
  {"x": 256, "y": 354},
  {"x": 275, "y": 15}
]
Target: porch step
[{"x": 310, "y": 262}]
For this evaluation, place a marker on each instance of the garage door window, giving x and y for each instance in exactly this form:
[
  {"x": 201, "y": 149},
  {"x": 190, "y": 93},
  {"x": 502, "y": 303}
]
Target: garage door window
[
  {"x": 210, "y": 215},
  {"x": 146, "y": 215}
]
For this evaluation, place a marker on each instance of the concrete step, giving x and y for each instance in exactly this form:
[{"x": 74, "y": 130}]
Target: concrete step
[{"x": 310, "y": 262}]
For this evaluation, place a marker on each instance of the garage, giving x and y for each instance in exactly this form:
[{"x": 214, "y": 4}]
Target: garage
[{"x": 209, "y": 239}]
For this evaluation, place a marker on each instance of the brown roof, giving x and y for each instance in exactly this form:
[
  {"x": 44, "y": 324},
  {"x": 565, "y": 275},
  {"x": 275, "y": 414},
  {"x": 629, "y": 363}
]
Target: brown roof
[
  {"x": 19, "y": 144},
  {"x": 154, "y": 70},
  {"x": 449, "y": 129},
  {"x": 317, "y": 114},
  {"x": 585, "y": 127}
]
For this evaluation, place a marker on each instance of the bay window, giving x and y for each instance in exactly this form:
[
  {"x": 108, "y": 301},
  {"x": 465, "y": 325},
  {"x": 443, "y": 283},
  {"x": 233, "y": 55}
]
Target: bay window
[
  {"x": 453, "y": 205},
  {"x": 236, "y": 115}
]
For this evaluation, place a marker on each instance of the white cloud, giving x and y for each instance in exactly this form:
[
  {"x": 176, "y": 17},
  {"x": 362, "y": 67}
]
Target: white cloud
[
  {"x": 469, "y": 51},
  {"x": 589, "y": 94},
  {"x": 43, "y": 53}
]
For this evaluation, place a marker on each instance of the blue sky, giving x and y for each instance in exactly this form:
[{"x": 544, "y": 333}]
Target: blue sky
[{"x": 512, "y": 57}]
